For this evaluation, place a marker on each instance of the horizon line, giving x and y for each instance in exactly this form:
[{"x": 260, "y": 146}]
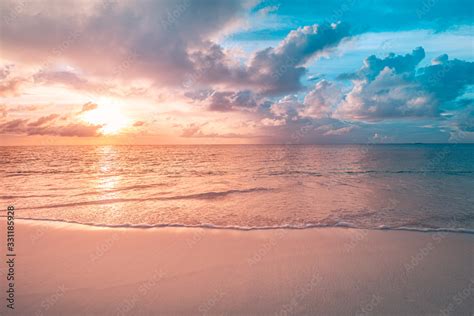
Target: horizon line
[{"x": 263, "y": 144}]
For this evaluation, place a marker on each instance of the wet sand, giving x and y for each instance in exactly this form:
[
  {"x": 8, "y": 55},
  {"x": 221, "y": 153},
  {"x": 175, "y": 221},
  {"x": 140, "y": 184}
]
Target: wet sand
[{"x": 78, "y": 270}]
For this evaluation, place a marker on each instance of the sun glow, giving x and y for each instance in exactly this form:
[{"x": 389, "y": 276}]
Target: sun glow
[{"x": 111, "y": 117}]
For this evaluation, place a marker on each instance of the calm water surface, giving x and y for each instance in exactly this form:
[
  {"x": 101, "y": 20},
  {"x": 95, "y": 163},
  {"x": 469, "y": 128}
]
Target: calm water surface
[{"x": 255, "y": 186}]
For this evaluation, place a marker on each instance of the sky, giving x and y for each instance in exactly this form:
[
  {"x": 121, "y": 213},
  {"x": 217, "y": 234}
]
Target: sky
[{"x": 236, "y": 72}]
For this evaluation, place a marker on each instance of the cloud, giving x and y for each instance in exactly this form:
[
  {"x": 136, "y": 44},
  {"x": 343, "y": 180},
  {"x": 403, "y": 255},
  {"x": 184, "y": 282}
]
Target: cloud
[
  {"x": 387, "y": 96},
  {"x": 291, "y": 120},
  {"x": 339, "y": 131},
  {"x": 43, "y": 126},
  {"x": 307, "y": 130},
  {"x": 446, "y": 79},
  {"x": 321, "y": 100},
  {"x": 5, "y": 71},
  {"x": 271, "y": 71},
  {"x": 318, "y": 103},
  {"x": 272, "y": 122},
  {"x": 66, "y": 78},
  {"x": 224, "y": 101},
  {"x": 4, "y": 109},
  {"x": 171, "y": 43},
  {"x": 388, "y": 88},
  {"x": 287, "y": 108},
  {"x": 16, "y": 126},
  {"x": 462, "y": 123},
  {"x": 138, "y": 123},
  {"x": 268, "y": 9},
  {"x": 73, "y": 129},
  {"x": 399, "y": 64},
  {"x": 89, "y": 106},
  {"x": 191, "y": 130},
  {"x": 139, "y": 39},
  {"x": 155, "y": 52},
  {"x": 393, "y": 87},
  {"x": 466, "y": 120},
  {"x": 43, "y": 120},
  {"x": 11, "y": 86},
  {"x": 279, "y": 70},
  {"x": 195, "y": 131},
  {"x": 78, "y": 82}
]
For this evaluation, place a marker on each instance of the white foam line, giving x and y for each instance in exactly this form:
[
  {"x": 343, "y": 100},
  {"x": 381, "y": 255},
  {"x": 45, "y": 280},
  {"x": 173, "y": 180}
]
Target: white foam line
[{"x": 249, "y": 228}]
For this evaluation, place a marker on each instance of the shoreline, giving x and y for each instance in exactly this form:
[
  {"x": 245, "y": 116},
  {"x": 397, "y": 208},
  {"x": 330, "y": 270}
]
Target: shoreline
[
  {"x": 342, "y": 225},
  {"x": 76, "y": 269}
]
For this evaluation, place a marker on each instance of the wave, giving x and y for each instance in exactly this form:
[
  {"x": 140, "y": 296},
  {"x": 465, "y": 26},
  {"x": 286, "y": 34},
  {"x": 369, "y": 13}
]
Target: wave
[
  {"x": 451, "y": 172},
  {"x": 10, "y": 197},
  {"x": 36, "y": 172},
  {"x": 363, "y": 172},
  {"x": 132, "y": 187},
  {"x": 198, "y": 196},
  {"x": 295, "y": 172},
  {"x": 284, "y": 173},
  {"x": 251, "y": 228}
]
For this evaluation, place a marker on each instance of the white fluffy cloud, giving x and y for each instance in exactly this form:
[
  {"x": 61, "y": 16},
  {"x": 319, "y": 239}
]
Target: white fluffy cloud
[{"x": 393, "y": 87}]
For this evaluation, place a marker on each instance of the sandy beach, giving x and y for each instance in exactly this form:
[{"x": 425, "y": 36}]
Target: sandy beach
[
  {"x": 83, "y": 270},
  {"x": 236, "y": 157}
]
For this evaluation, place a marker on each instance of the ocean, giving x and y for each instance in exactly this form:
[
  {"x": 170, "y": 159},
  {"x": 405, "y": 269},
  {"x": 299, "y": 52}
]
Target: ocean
[{"x": 414, "y": 187}]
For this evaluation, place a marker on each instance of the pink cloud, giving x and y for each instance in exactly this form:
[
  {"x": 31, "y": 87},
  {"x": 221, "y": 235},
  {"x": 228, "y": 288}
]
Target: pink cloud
[{"x": 42, "y": 126}]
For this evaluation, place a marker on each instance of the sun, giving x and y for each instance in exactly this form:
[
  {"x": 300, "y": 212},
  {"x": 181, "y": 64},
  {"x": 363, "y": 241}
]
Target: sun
[{"x": 111, "y": 117}]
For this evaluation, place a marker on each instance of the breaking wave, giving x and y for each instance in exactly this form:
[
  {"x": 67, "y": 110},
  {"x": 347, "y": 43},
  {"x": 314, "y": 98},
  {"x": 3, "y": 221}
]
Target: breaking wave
[{"x": 251, "y": 228}]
